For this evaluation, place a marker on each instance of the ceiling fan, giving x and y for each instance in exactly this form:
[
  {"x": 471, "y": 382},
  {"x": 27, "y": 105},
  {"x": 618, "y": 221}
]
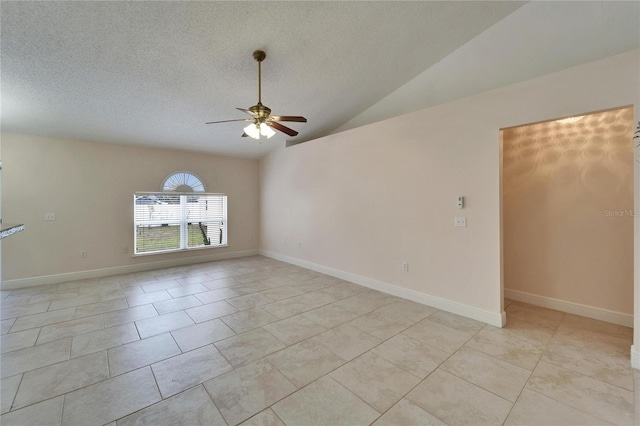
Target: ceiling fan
[{"x": 262, "y": 122}]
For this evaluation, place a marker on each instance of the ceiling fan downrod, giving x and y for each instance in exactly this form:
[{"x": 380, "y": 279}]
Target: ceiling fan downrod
[{"x": 259, "y": 56}]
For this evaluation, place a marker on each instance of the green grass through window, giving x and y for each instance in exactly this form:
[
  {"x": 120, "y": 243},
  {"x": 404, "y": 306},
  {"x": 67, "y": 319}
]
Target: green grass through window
[{"x": 157, "y": 238}]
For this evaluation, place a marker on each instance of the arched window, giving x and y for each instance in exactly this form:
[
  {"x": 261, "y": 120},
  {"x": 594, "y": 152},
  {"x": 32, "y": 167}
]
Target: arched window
[
  {"x": 183, "y": 182},
  {"x": 180, "y": 217}
]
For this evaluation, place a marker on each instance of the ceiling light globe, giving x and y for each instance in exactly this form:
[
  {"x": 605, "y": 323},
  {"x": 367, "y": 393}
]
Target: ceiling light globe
[
  {"x": 253, "y": 131},
  {"x": 266, "y": 130}
]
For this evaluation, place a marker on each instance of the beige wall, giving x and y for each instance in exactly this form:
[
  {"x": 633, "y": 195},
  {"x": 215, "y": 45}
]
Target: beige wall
[
  {"x": 364, "y": 200},
  {"x": 567, "y": 210},
  {"x": 90, "y": 186}
]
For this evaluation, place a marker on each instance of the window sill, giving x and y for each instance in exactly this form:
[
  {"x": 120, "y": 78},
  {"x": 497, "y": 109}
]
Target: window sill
[{"x": 151, "y": 253}]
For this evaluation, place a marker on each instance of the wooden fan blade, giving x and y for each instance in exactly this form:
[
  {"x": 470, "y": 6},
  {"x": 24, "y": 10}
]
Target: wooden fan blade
[
  {"x": 283, "y": 129},
  {"x": 288, "y": 118},
  {"x": 228, "y": 121},
  {"x": 244, "y": 135},
  {"x": 245, "y": 110}
]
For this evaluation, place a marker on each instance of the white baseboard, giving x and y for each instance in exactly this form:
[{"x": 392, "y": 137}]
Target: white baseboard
[
  {"x": 635, "y": 357},
  {"x": 491, "y": 318},
  {"x": 570, "y": 307},
  {"x": 139, "y": 267}
]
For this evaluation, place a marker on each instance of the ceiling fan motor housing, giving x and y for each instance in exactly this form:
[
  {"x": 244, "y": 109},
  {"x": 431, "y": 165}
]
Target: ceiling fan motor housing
[{"x": 260, "y": 112}]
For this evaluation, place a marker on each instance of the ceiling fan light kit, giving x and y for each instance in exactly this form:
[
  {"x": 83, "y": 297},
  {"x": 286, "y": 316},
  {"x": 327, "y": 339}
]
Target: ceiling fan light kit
[
  {"x": 263, "y": 123},
  {"x": 254, "y": 130}
]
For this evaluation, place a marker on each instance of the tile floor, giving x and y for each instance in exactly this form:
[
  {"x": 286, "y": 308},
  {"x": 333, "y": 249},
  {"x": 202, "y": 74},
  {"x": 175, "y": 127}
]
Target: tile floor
[{"x": 260, "y": 342}]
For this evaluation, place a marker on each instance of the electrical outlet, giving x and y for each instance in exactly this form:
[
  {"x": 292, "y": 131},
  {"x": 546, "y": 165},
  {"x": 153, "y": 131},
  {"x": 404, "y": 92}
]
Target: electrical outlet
[
  {"x": 83, "y": 253},
  {"x": 49, "y": 216},
  {"x": 299, "y": 244},
  {"x": 126, "y": 250},
  {"x": 282, "y": 241},
  {"x": 461, "y": 222},
  {"x": 405, "y": 266}
]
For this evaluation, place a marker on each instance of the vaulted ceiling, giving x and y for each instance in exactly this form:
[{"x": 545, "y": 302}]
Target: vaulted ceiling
[{"x": 152, "y": 73}]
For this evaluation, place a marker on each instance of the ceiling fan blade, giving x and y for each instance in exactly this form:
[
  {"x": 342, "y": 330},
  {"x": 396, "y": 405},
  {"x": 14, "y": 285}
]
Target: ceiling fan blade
[
  {"x": 245, "y": 110},
  {"x": 228, "y": 121},
  {"x": 244, "y": 135},
  {"x": 288, "y": 118},
  {"x": 283, "y": 129}
]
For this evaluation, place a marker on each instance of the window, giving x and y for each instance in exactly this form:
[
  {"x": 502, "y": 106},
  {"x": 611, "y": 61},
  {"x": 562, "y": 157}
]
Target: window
[
  {"x": 183, "y": 182},
  {"x": 181, "y": 218}
]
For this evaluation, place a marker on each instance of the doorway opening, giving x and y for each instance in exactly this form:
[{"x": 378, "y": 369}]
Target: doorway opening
[{"x": 567, "y": 211}]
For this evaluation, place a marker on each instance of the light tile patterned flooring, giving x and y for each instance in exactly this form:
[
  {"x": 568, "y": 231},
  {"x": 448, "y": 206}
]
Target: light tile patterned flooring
[{"x": 262, "y": 342}]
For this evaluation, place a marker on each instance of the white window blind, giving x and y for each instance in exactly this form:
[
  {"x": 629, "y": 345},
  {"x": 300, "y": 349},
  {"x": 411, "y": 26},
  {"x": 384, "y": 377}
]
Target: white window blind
[{"x": 169, "y": 222}]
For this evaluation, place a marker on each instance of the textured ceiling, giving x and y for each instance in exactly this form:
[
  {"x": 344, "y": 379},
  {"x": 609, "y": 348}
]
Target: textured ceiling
[{"x": 151, "y": 73}]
